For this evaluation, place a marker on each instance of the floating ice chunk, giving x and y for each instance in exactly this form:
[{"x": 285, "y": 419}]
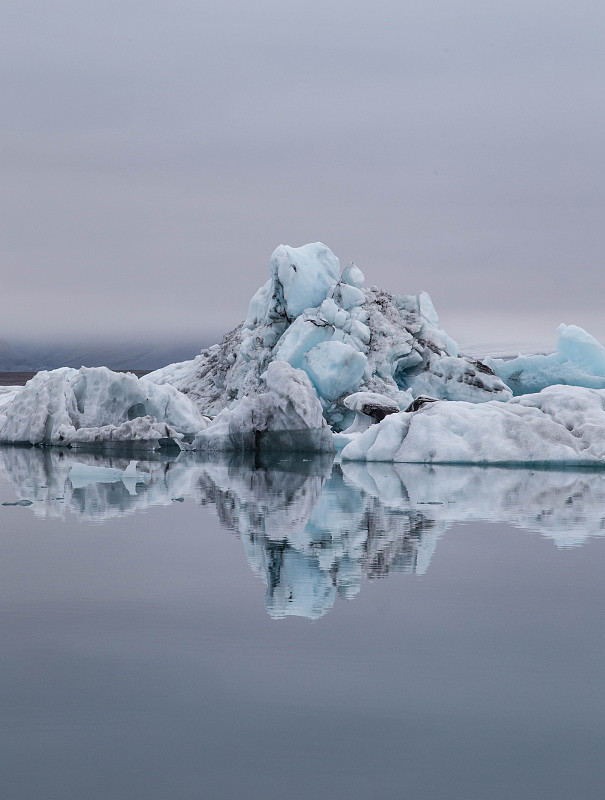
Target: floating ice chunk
[
  {"x": 68, "y": 405},
  {"x": 560, "y": 425},
  {"x": 578, "y": 361},
  {"x": 335, "y": 368}
]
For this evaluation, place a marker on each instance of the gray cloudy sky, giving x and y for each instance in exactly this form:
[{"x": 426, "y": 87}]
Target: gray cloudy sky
[{"x": 153, "y": 154}]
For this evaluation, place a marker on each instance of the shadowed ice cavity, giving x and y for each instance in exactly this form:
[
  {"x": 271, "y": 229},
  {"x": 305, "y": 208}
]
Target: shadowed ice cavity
[{"x": 312, "y": 531}]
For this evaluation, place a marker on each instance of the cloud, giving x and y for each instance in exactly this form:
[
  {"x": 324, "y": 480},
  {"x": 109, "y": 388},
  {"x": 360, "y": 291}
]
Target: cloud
[{"x": 153, "y": 157}]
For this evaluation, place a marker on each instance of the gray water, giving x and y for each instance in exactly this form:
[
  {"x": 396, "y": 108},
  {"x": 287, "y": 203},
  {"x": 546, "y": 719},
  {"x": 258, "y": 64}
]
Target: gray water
[{"x": 300, "y": 630}]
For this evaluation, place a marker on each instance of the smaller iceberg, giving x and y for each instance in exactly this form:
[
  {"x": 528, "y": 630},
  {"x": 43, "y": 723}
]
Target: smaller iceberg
[
  {"x": 578, "y": 361},
  {"x": 95, "y": 406},
  {"x": 560, "y": 425}
]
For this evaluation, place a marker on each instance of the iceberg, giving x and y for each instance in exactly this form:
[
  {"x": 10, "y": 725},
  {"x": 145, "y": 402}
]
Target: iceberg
[
  {"x": 579, "y": 360},
  {"x": 563, "y": 425},
  {"x": 95, "y": 406},
  {"x": 347, "y": 339},
  {"x": 323, "y": 363}
]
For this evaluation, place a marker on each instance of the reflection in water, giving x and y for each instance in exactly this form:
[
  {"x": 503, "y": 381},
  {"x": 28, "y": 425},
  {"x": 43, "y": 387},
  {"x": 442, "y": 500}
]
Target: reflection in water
[
  {"x": 313, "y": 536},
  {"x": 313, "y": 531}
]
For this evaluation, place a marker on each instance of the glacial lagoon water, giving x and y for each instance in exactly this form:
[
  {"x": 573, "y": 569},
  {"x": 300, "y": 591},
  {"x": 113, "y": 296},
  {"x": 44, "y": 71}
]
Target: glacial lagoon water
[{"x": 298, "y": 629}]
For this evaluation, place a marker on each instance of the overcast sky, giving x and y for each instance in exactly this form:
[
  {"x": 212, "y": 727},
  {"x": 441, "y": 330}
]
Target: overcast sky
[{"x": 153, "y": 154}]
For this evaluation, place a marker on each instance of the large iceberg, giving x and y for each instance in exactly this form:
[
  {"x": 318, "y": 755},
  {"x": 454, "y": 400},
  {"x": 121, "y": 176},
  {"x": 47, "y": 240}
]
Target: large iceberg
[
  {"x": 578, "y": 361},
  {"x": 344, "y": 337},
  {"x": 323, "y": 362}
]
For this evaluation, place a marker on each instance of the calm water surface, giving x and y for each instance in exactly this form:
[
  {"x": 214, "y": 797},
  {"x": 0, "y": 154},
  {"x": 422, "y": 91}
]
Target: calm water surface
[{"x": 300, "y": 630}]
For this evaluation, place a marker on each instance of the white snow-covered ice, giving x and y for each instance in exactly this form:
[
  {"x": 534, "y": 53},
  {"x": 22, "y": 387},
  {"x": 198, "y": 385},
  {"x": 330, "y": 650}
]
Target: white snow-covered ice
[
  {"x": 95, "y": 405},
  {"x": 564, "y": 425}
]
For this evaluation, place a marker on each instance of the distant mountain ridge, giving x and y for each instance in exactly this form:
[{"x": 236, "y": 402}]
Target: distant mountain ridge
[{"x": 33, "y": 357}]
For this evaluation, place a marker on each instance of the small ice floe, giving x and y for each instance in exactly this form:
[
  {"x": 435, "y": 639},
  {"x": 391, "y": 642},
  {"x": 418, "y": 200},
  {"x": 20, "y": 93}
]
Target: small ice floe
[{"x": 81, "y": 475}]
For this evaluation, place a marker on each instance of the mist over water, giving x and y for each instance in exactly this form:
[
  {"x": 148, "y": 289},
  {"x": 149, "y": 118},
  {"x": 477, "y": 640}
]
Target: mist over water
[{"x": 131, "y": 351}]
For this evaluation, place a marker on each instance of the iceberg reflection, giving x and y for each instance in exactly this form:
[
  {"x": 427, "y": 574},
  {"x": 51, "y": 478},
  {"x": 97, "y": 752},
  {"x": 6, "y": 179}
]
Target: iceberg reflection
[{"x": 313, "y": 531}]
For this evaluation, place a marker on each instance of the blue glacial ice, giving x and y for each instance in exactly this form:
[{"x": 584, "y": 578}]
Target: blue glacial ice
[
  {"x": 346, "y": 338},
  {"x": 578, "y": 361}
]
